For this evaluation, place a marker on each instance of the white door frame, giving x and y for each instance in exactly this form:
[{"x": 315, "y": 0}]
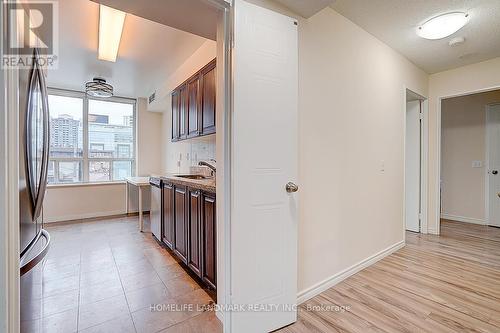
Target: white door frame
[
  {"x": 424, "y": 161},
  {"x": 437, "y": 186},
  {"x": 9, "y": 195},
  {"x": 224, "y": 106},
  {"x": 487, "y": 165}
]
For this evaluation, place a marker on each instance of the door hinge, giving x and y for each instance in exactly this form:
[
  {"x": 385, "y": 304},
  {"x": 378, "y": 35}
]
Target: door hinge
[{"x": 421, "y": 115}]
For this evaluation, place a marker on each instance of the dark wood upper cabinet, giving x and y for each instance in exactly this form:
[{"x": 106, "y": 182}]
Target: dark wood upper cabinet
[
  {"x": 168, "y": 215},
  {"x": 208, "y": 98},
  {"x": 194, "y": 232},
  {"x": 208, "y": 242},
  {"x": 181, "y": 220},
  {"x": 183, "y": 110},
  {"x": 175, "y": 115},
  {"x": 193, "y": 120},
  {"x": 194, "y": 105}
]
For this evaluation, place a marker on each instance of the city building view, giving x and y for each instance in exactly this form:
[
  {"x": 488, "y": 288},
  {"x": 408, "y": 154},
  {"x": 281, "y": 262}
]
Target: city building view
[{"x": 110, "y": 141}]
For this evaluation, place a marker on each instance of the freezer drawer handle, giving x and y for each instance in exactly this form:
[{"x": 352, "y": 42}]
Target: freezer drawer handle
[{"x": 26, "y": 267}]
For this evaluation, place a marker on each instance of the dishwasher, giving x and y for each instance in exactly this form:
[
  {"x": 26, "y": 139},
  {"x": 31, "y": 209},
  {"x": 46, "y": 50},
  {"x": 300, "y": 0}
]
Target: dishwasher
[{"x": 156, "y": 206}]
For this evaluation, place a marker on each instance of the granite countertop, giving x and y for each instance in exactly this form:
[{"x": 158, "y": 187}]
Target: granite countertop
[{"x": 201, "y": 184}]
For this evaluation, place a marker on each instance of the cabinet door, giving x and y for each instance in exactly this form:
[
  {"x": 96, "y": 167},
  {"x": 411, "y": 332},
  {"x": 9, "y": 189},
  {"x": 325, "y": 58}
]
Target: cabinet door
[
  {"x": 194, "y": 232},
  {"x": 168, "y": 215},
  {"x": 175, "y": 115},
  {"x": 209, "y": 244},
  {"x": 181, "y": 218},
  {"x": 193, "y": 121},
  {"x": 183, "y": 110},
  {"x": 208, "y": 99}
]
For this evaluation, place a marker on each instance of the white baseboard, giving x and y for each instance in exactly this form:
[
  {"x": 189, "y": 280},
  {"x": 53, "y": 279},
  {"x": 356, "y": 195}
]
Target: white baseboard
[
  {"x": 463, "y": 219},
  {"x": 432, "y": 231},
  {"x": 81, "y": 216},
  {"x": 334, "y": 279}
]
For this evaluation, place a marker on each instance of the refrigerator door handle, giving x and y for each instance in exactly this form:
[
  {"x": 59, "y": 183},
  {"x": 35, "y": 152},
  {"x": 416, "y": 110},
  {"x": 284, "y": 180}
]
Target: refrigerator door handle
[
  {"x": 27, "y": 266},
  {"x": 38, "y": 77},
  {"x": 46, "y": 137}
]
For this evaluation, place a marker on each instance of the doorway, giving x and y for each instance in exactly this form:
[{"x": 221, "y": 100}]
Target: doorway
[
  {"x": 238, "y": 262},
  {"x": 414, "y": 155},
  {"x": 493, "y": 164}
]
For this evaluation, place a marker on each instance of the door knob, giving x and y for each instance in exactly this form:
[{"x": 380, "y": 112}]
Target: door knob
[
  {"x": 495, "y": 172},
  {"x": 291, "y": 187}
]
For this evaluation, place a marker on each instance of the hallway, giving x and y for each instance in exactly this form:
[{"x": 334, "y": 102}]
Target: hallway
[{"x": 448, "y": 283}]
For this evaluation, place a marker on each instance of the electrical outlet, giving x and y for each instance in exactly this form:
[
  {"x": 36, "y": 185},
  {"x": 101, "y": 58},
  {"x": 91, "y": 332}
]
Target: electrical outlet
[{"x": 477, "y": 164}]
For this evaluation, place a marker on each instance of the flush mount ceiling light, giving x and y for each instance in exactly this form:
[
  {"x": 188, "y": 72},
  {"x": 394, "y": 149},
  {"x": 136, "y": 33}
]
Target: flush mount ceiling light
[
  {"x": 98, "y": 88},
  {"x": 110, "y": 32},
  {"x": 443, "y": 25}
]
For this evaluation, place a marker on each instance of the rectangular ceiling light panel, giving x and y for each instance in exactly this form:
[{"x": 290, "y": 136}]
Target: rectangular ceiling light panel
[{"x": 110, "y": 32}]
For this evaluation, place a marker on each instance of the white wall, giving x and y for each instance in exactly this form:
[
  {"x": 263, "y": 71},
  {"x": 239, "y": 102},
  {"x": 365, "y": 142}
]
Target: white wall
[
  {"x": 177, "y": 157},
  {"x": 351, "y": 106},
  {"x": 149, "y": 136},
  {"x": 70, "y": 202},
  {"x": 463, "y": 140},
  {"x": 460, "y": 81}
]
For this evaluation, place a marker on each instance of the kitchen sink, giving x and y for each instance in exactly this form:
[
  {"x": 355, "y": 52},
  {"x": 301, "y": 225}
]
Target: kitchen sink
[{"x": 193, "y": 176}]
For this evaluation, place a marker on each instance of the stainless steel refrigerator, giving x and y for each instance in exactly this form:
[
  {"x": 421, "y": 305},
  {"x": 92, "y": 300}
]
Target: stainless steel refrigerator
[{"x": 33, "y": 168}]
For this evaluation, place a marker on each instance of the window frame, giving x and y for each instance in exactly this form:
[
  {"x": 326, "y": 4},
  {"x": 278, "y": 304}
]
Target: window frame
[{"x": 86, "y": 159}]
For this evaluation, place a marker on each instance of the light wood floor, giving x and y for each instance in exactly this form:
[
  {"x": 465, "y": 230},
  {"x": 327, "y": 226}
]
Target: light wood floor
[
  {"x": 449, "y": 283},
  {"x": 102, "y": 277}
]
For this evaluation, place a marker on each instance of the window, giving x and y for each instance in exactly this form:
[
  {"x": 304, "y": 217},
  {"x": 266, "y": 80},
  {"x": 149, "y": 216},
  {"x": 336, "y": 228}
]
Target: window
[{"x": 91, "y": 140}]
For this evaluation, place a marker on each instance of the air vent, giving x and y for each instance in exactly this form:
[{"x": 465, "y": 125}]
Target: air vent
[{"x": 152, "y": 97}]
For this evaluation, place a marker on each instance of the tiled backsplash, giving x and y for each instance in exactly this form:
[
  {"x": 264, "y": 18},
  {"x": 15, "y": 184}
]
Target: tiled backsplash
[
  {"x": 202, "y": 151},
  {"x": 185, "y": 154}
]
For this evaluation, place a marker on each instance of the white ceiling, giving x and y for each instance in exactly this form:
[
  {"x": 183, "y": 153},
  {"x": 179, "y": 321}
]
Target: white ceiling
[
  {"x": 305, "y": 8},
  {"x": 149, "y": 52},
  {"x": 394, "y": 22},
  {"x": 198, "y": 17}
]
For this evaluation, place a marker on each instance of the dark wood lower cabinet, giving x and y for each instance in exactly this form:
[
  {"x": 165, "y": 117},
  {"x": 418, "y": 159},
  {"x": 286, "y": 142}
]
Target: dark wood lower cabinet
[
  {"x": 168, "y": 215},
  {"x": 194, "y": 232},
  {"x": 181, "y": 221},
  {"x": 189, "y": 229},
  {"x": 209, "y": 243}
]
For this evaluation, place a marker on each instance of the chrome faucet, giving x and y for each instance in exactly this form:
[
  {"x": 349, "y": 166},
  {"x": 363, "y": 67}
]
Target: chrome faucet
[{"x": 210, "y": 166}]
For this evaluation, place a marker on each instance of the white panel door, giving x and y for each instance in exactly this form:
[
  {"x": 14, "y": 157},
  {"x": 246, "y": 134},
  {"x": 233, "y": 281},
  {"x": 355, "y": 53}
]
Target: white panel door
[
  {"x": 494, "y": 164},
  {"x": 264, "y": 159},
  {"x": 412, "y": 166}
]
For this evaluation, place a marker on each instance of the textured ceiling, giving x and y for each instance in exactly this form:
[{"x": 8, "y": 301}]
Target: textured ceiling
[
  {"x": 149, "y": 52},
  {"x": 394, "y": 22}
]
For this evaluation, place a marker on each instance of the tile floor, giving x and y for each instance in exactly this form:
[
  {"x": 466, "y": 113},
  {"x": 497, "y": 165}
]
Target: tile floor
[{"x": 103, "y": 276}]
